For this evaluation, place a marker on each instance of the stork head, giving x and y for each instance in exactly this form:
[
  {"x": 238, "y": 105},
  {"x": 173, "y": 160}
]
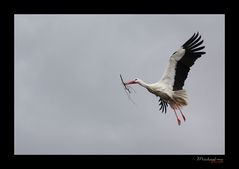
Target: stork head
[{"x": 135, "y": 81}]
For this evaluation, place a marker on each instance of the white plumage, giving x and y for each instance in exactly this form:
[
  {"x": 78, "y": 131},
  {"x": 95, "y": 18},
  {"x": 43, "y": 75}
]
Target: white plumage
[
  {"x": 168, "y": 75},
  {"x": 170, "y": 87}
]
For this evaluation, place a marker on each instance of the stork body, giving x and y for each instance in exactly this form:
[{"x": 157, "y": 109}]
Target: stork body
[{"x": 170, "y": 87}]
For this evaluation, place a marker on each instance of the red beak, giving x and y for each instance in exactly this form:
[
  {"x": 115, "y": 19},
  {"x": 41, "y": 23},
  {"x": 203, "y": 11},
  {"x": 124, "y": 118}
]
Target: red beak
[{"x": 130, "y": 82}]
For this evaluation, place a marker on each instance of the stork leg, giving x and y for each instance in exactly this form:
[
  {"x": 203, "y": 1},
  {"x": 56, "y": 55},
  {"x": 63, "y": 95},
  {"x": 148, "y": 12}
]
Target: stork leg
[
  {"x": 181, "y": 113},
  {"x": 179, "y": 122}
]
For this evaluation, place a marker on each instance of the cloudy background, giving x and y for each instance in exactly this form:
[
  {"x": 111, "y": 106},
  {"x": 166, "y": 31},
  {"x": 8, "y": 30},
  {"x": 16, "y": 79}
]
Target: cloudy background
[{"x": 68, "y": 94}]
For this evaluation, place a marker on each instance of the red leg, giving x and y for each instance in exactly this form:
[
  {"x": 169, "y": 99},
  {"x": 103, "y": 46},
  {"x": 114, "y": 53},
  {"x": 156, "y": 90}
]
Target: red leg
[
  {"x": 182, "y": 114},
  {"x": 179, "y": 122}
]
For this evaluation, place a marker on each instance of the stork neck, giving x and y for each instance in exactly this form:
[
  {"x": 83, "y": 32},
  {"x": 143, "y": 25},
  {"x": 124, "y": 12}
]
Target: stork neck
[{"x": 142, "y": 83}]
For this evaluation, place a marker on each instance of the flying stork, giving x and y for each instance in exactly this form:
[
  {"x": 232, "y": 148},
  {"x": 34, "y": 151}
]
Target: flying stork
[{"x": 170, "y": 87}]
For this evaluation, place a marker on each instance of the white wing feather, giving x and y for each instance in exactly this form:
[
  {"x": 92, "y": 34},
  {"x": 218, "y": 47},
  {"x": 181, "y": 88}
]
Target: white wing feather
[{"x": 169, "y": 73}]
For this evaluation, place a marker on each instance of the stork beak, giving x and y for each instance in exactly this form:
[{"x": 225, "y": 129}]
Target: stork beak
[{"x": 130, "y": 82}]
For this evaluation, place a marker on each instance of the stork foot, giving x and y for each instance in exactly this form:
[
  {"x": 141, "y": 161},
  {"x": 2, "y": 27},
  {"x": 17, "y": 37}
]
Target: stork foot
[
  {"x": 181, "y": 113},
  {"x": 179, "y": 122},
  {"x": 183, "y": 117}
]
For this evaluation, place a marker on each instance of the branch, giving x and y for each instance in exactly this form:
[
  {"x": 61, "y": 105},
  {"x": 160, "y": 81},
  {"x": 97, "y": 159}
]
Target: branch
[{"x": 126, "y": 88}]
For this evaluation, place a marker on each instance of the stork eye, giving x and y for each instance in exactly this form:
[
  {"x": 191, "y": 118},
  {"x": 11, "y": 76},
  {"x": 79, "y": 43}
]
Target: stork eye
[
  {"x": 135, "y": 79},
  {"x": 174, "y": 52}
]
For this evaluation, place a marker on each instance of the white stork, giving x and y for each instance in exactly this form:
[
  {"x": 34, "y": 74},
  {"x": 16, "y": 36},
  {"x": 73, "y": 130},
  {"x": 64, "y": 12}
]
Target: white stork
[{"x": 170, "y": 87}]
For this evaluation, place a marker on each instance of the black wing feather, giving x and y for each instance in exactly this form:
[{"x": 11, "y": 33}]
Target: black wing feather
[
  {"x": 192, "y": 53},
  {"x": 197, "y": 49},
  {"x": 194, "y": 43},
  {"x": 189, "y": 41},
  {"x": 181, "y": 74},
  {"x": 163, "y": 105}
]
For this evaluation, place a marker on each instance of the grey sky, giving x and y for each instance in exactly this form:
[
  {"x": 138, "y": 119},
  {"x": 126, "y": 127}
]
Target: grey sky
[{"x": 69, "y": 98}]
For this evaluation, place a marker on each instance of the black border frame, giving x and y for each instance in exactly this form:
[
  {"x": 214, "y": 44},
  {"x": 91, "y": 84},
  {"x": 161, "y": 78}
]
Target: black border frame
[{"x": 23, "y": 7}]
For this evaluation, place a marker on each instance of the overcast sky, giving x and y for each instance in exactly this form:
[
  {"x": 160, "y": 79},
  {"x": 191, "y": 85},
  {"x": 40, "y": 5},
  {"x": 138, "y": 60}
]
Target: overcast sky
[{"x": 68, "y": 94}]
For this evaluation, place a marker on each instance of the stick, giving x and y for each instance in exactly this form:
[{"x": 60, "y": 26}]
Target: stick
[{"x": 127, "y": 89}]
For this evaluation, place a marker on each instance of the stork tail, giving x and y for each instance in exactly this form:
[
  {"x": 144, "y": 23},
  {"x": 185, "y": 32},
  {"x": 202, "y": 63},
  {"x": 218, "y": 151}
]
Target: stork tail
[{"x": 180, "y": 98}]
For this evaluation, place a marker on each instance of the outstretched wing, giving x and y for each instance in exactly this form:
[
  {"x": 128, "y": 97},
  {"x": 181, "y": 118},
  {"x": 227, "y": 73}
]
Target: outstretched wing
[{"x": 181, "y": 61}]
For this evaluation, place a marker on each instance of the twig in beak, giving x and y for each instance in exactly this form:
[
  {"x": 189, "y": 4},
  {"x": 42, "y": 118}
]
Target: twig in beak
[
  {"x": 126, "y": 88},
  {"x": 131, "y": 88}
]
